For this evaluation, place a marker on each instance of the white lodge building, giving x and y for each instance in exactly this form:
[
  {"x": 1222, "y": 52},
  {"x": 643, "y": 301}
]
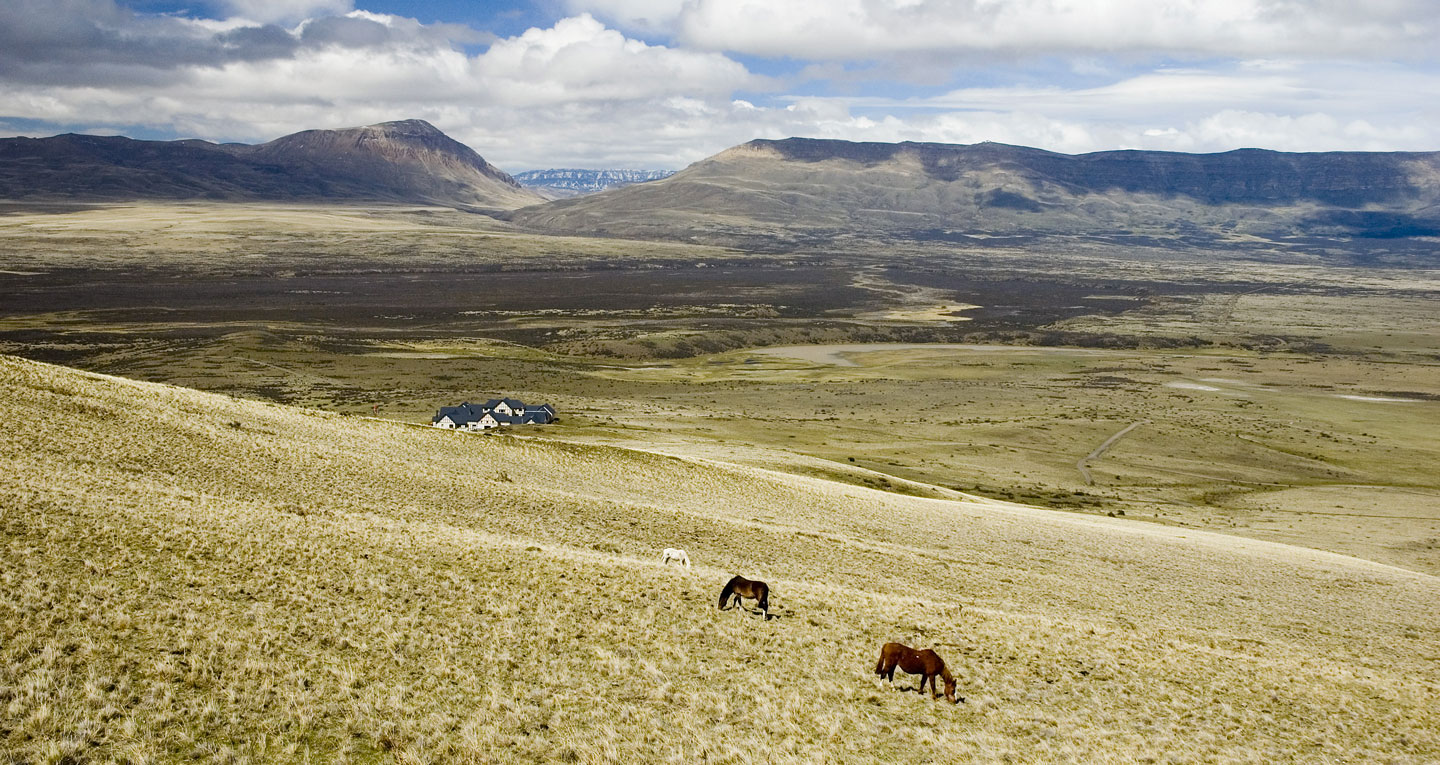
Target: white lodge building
[{"x": 493, "y": 414}]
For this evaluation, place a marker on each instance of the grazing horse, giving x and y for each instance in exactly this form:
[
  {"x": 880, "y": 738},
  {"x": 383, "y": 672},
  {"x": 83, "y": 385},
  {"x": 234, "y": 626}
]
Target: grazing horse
[
  {"x": 741, "y": 587},
  {"x": 675, "y": 554},
  {"x": 927, "y": 664}
]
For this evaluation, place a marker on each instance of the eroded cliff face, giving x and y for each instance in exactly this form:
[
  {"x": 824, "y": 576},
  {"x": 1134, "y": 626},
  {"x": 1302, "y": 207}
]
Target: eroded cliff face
[{"x": 1241, "y": 176}]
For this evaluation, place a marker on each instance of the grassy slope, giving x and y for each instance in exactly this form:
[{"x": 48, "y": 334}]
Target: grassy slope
[{"x": 188, "y": 575}]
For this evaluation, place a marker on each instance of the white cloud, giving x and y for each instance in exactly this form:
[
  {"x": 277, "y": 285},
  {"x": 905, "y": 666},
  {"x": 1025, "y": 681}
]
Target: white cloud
[
  {"x": 1291, "y": 105},
  {"x": 581, "y": 93},
  {"x": 1145, "y": 95},
  {"x": 856, "y": 29},
  {"x": 577, "y": 60},
  {"x": 648, "y": 16},
  {"x": 575, "y": 90},
  {"x": 281, "y": 11},
  {"x": 1305, "y": 132},
  {"x": 580, "y": 59}
]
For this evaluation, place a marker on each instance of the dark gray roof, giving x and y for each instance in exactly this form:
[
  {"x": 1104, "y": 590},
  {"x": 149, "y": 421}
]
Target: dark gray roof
[
  {"x": 468, "y": 412},
  {"x": 460, "y": 415},
  {"x": 446, "y": 411}
]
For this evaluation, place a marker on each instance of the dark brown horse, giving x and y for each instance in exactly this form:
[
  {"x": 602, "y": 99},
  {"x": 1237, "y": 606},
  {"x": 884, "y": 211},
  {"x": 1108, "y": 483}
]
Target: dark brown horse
[
  {"x": 927, "y": 664},
  {"x": 741, "y": 587}
]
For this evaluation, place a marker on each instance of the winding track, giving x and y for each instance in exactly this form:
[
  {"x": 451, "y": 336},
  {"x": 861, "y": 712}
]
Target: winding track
[{"x": 1101, "y": 449}]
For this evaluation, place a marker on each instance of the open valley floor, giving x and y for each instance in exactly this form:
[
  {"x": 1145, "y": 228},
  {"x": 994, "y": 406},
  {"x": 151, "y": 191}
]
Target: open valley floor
[
  {"x": 1150, "y": 506},
  {"x": 1279, "y": 400}
]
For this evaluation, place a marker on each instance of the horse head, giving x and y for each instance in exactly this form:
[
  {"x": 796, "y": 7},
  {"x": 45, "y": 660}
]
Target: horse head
[{"x": 950, "y": 688}]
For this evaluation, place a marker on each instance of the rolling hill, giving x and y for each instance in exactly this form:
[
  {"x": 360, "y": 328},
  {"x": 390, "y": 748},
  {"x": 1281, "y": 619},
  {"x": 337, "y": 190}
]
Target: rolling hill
[
  {"x": 801, "y": 187},
  {"x": 190, "y": 576},
  {"x": 409, "y": 161}
]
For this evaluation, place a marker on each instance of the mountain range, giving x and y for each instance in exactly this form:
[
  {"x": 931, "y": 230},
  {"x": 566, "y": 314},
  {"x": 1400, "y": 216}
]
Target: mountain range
[
  {"x": 830, "y": 188},
  {"x": 569, "y": 182},
  {"x": 408, "y": 161},
  {"x": 784, "y": 190}
]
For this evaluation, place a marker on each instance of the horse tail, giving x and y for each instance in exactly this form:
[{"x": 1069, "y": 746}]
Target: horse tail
[
  {"x": 725, "y": 593},
  {"x": 880, "y": 665}
]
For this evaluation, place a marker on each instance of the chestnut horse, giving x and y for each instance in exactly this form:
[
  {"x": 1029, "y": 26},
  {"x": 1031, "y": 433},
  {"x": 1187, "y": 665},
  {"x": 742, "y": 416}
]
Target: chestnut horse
[
  {"x": 927, "y": 664},
  {"x": 741, "y": 587}
]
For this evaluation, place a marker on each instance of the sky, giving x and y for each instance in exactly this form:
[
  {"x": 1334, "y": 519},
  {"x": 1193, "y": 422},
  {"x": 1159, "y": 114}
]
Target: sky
[{"x": 658, "y": 84}]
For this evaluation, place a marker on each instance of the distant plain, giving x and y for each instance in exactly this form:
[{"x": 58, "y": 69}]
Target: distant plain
[{"x": 1290, "y": 401}]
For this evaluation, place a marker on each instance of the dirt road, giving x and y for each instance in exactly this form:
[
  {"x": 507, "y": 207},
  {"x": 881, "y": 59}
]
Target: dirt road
[{"x": 1101, "y": 449}]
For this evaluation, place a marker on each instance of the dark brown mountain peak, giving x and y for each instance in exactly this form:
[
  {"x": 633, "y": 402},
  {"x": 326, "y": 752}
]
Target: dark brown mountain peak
[
  {"x": 407, "y": 161},
  {"x": 402, "y": 145}
]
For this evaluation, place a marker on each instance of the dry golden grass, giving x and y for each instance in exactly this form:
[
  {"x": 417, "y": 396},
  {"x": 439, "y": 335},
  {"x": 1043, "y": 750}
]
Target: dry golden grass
[{"x": 187, "y": 576}]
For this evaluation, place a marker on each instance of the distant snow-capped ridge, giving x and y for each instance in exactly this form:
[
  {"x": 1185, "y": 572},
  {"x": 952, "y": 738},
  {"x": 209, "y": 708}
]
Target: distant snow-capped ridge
[{"x": 582, "y": 181}]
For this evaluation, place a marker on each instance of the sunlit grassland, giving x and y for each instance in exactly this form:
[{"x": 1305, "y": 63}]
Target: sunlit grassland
[
  {"x": 1330, "y": 453},
  {"x": 1260, "y": 444},
  {"x": 188, "y": 576},
  {"x": 1397, "y": 324},
  {"x": 240, "y": 237}
]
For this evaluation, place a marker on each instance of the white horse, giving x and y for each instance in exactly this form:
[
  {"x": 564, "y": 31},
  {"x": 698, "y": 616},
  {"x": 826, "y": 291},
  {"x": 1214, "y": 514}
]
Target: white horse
[{"x": 676, "y": 555}]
